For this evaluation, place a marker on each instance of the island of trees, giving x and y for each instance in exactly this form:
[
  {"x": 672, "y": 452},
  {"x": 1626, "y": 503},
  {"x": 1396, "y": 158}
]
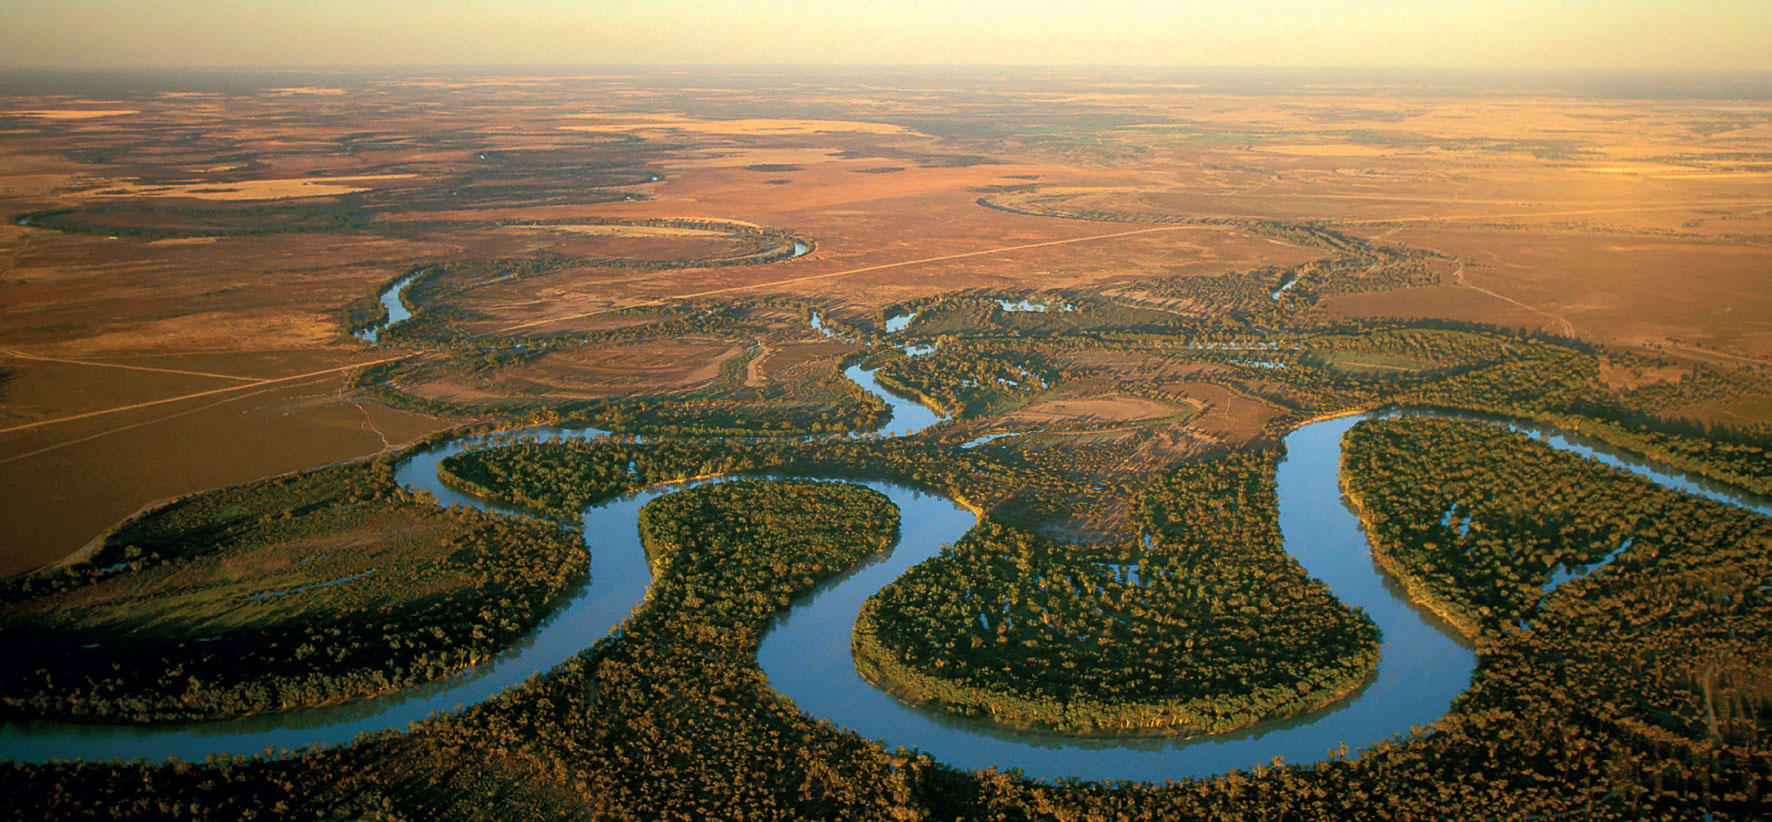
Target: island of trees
[{"x": 1210, "y": 627}]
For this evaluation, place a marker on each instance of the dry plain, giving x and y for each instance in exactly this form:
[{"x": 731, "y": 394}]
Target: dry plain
[{"x": 178, "y": 271}]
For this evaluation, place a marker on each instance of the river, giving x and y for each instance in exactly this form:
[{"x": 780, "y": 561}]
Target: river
[{"x": 1422, "y": 666}]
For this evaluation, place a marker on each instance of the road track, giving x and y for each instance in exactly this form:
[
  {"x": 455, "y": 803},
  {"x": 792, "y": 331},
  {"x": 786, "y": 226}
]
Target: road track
[
  {"x": 197, "y": 394},
  {"x": 16, "y": 354}
]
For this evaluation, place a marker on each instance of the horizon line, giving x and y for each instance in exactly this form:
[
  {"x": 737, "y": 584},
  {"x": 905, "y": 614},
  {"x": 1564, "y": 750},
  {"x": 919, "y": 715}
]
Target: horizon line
[{"x": 1274, "y": 67}]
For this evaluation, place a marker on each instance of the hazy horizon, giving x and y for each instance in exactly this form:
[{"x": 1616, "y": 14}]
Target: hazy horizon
[
  {"x": 1663, "y": 84},
  {"x": 1706, "y": 35}
]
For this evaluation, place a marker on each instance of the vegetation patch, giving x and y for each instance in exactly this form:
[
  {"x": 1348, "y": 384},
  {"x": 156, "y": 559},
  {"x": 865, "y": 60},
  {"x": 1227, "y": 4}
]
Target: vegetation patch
[
  {"x": 155, "y": 221},
  {"x": 558, "y": 381},
  {"x": 1664, "y": 647},
  {"x": 1212, "y": 627},
  {"x": 1478, "y": 520},
  {"x": 1361, "y": 362},
  {"x": 294, "y": 592},
  {"x": 970, "y": 380}
]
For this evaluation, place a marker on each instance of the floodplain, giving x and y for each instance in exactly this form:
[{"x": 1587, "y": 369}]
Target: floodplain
[{"x": 1110, "y": 299}]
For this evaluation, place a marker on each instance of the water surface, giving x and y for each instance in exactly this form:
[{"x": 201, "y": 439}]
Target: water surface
[
  {"x": 1422, "y": 666},
  {"x": 396, "y": 307}
]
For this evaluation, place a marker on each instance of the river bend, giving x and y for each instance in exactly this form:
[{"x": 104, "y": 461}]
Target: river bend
[{"x": 1422, "y": 666}]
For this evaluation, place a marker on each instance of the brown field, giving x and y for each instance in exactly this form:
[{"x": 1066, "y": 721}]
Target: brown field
[
  {"x": 63, "y": 484},
  {"x": 1715, "y": 294},
  {"x": 594, "y": 242},
  {"x": 71, "y": 113},
  {"x": 797, "y": 362},
  {"x": 751, "y": 126},
  {"x": 187, "y": 325},
  {"x": 635, "y": 369},
  {"x": 1622, "y": 377},
  {"x": 1226, "y": 415},
  {"x": 253, "y": 189},
  {"x": 1091, "y": 411}
]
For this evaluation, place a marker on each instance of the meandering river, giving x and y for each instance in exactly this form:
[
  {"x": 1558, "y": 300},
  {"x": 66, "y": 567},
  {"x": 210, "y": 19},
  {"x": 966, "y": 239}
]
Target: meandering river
[{"x": 1422, "y": 666}]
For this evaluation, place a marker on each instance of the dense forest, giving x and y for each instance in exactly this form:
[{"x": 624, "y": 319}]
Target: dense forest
[
  {"x": 560, "y": 479},
  {"x": 670, "y": 718},
  {"x": 1209, "y": 628},
  {"x": 962, "y": 380},
  {"x": 1476, "y": 518},
  {"x": 331, "y": 585}
]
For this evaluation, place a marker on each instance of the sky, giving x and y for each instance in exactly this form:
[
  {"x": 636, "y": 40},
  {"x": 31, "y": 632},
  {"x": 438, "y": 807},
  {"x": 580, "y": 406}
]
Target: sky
[{"x": 1483, "y": 34}]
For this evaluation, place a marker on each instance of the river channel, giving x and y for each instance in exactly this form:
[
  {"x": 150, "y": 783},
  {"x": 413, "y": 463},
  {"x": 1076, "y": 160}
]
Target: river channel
[{"x": 1422, "y": 666}]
